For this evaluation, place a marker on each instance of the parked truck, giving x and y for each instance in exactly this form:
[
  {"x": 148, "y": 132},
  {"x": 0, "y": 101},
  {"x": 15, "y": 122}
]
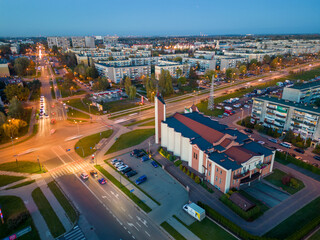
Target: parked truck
[{"x": 195, "y": 211}]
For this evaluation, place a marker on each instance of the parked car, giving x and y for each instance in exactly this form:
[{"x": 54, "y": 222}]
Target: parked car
[
  {"x": 315, "y": 164},
  {"x": 93, "y": 173},
  {"x": 135, "y": 152},
  {"x": 316, "y": 157},
  {"x": 131, "y": 173},
  {"x": 292, "y": 154},
  {"x": 286, "y": 144},
  {"x": 118, "y": 164},
  {"x": 84, "y": 176},
  {"x": 299, "y": 150},
  {"x": 122, "y": 168},
  {"x": 144, "y": 158},
  {"x": 248, "y": 130},
  {"x": 273, "y": 140},
  {"x": 102, "y": 181},
  {"x": 114, "y": 161},
  {"x": 141, "y": 179},
  {"x": 298, "y": 157},
  {"x": 279, "y": 150},
  {"x": 154, "y": 164},
  {"x": 128, "y": 169},
  {"x": 261, "y": 142}
]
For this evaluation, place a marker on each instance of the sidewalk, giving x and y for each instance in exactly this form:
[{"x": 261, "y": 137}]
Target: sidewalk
[
  {"x": 55, "y": 205},
  {"x": 182, "y": 229},
  {"x": 130, "y": 186}
]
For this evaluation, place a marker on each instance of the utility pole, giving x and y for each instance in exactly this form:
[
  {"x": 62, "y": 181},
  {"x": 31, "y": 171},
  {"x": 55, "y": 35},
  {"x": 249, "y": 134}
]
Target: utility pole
[
  {"x": 39, "y": 162},
  {"x": 211, "y": 97}
]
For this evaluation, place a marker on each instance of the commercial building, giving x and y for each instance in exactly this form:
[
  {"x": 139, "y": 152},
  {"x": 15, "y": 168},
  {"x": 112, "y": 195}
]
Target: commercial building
[
  {"x": 172, "y": 67},
  {"x": 303, "y": 93},
  {"x": 283, "y": 115},
  {"x": 117, "y": 73},
  {"x": 223, "y": 156}
]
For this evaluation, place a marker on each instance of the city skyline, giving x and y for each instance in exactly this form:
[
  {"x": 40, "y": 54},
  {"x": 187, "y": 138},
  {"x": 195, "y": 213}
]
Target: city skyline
[{"x": 159, "y": 19}]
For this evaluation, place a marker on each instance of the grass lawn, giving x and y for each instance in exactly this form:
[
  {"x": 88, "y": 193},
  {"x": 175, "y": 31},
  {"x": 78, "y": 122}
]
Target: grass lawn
[
  {"x": 315, "y": 236},
  {"x": 53, "y": 93},
  {"x": 174, "y": 233},
  {"x": 306, "y": 75},
  {"x": 22, "y": 166},
  {"x": 275, "y": 179},
  {"x": 206, "y": 229},
  {"x": 282, "y": 161},
  {"x": 73, "y": 120},
  {"x": 116, "y": 106},
  {"x": 262, "y": 206},
  {"x": 11, "y": 206},
  {"x": 64, "y": 202},
  {"x": 53, "y": 222},
  {"x": 137, "y": 122},
  {"x": 5, "y": 179},
  {"x": 88, "y": 143},
  {"x": 73, "y": 113},
  {"x": 130, "y": 139},
  {"x": 152, "y": 123},
  {"x": 82, "y": 105},
  {"x": 21, "y": 184},
  {"x": 133, "y": 197},
  {"x": 303, "y": 217}
]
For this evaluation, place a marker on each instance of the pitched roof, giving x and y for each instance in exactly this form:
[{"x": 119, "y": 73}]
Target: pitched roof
[
  {"x": 225, "y": 142},
  {"x": 223, "y": 160},
  {"x": 241, "y": 201},
  {"x": 239, "y": 154},
  {"x": 209, "y": 134},
  {"x": 257, "y": 148}
]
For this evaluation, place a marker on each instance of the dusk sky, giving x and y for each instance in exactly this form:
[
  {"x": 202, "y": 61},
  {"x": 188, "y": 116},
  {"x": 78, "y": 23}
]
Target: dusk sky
[{"x": 145, "y": 18}]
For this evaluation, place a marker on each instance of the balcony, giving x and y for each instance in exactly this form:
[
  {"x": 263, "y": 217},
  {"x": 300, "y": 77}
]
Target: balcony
[
  {"x": 280, "y": 116},
  {"x": 271, "y": 107},
  {"x": 241, "y": 175},
  {"x": 250, "y": 179}
]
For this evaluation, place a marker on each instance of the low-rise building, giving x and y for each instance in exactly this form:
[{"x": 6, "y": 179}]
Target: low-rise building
[
  {"x": 4, "y": 68},
  {"x": 283, "y": 115},
  {"x": 223, "y": 156}
]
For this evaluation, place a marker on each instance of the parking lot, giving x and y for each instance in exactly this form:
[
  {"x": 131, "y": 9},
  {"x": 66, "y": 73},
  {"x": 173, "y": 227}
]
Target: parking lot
[{"x": 160, "y": 185}]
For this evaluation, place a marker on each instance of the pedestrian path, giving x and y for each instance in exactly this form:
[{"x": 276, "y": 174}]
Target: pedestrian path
[
  {"x": 15, "y": 174},
  {"x": 182, "y": 229},
  {"x": 70, "y": 168},
  {"x": 74, "y": 234}
]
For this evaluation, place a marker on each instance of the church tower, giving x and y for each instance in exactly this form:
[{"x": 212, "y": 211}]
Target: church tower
[{"x": 160, "y": 115}]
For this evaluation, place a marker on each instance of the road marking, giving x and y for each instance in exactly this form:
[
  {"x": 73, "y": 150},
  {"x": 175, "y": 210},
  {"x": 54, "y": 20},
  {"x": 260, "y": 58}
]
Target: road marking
[
  {"x": 129, "y": 233},
  {"x": 115, "y": 194},
  {"x": 133, "y": 237},
  {"x": 142, "y": 220},
  {"x": 138, "y": 224},
  {"x": 132, "y": 225},
  {"x": 119, "y": 221},
  {"x": 123, "y": 209},
  {"x": 130, "y": 216},
  {"x": 147, "y": 233}
]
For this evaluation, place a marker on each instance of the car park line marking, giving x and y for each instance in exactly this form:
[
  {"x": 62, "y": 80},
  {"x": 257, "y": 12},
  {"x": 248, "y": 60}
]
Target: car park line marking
[
  {"x": 147, "y": 233},
  {"x": 129, "y": 233},
  {"x": 133, "y": 237}
]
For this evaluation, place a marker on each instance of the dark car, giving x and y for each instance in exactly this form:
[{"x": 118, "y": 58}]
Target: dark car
[
  {"x": 131, "y": 173},
  {"x": 128, "y": 169},
  {"x": 293, "y": 155},
  {"x": 154, "y": 164},
  {"x": 299, "y": 150},
  {"x": 144, "y": 158},
  {"x": 94, "y": 173},
  {"x": 102, "y": 181},
  {"x": 316, "y": 157},
  {"x": 135, "y": 152},
  {"x": 248, "y": 130}
]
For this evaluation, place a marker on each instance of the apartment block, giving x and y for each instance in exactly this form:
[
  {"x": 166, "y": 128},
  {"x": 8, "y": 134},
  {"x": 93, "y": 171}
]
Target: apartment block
[
  {"x": 78, "y": 42},
  {"x": 283, "y": 115},
  {"x": 61, "y": 42},
  {"x": 172, "y": 67}
]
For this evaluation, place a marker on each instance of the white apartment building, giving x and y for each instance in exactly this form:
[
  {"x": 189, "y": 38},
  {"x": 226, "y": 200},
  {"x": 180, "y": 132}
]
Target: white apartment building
[
  {"x": 117, "y": 73},
  {"x": 172, "y": 68},
  {"x": 78, "y": 42},
  {"x": 61, "y": 42},
  {"x": 205, "y": 64},
  {"x": 89, "y": 42}
]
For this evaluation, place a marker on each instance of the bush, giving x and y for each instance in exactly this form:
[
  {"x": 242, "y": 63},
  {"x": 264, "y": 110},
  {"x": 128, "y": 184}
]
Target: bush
[
  {"x": 294, "y": 183},
  {"x": 181, "y": 167},
  {"x": 197, "y": 180},
  {"x": 286, "y": 180},
  {"x": 249, "y": 215},
  {"x": 15, "y": 220},
  {"x": 192, "y": 175},
  {"x": 178, "y": 163},
  {"x": 184, "y": 169},
  {"x": 188, "y": 172}
]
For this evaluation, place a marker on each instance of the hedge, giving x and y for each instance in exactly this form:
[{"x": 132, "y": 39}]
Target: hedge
[
  {"x": 249, "y": 215},
  {"x": 166, "y": 154},
  {"x": 297, "y": 162},
  {"x": 229, "y": 224}
]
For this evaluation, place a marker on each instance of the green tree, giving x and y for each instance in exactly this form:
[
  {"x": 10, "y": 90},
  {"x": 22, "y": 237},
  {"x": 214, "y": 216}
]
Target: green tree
[
  {"x": 178, "y": 72},
  {"x": 3, "y": 118},
  {"x": 5, "y": 50},
  {"x": 150, "y": 84},
  {"x": 274, "y": 63},
  {"x": 229, "y": 73},
  {"x": 80, "y": 69},
  {"x": 132, "y": 92},
  {"x": 15, "y": 109},
  {"x": 165, "y": 83},
  {"x": 243, "y": 69},
  {"x": 92, "y": 72},
  {"x": 20, "y": 65},
  {"x": 209, "y": 73},
  {"x": 55, "y": 49},
  {"x": 14, "y": 90},
  {"x": 177, "y": 59},
  {"x": 289, "y": 136},
  {"x": 13, "y": 126},
  {"x": 182, "y": 81},
  {"x": 317, "y": 102},
  {"x": 192, "y": 74},
  {"x": 127, "y": 85},
  {"x": 155, "y": 54},
  {"x": 266, "y": 59}
]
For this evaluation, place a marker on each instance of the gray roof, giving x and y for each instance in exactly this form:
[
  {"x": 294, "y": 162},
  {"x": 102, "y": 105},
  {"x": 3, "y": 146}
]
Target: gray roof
[{"x": 306, "y": 85}]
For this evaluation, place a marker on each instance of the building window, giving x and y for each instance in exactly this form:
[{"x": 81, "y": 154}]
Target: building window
[
  {"x": 216, "y": 178},
  {"x": 219, "y": 180},
  {"x": 233, "y": 182},
  {"x": 237, "y": 180},
  {"x": 209, "y": 173},
  {"x": 217, "y": 169},
  {"x": 220, "y": 171}
]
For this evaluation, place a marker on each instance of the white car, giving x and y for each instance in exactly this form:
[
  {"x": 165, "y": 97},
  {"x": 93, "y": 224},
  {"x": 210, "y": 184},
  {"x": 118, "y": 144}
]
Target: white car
[
  {"x": 279, "y": 150},
  {"x": 118, "y": 164},
  {"x": 122, "y": 167},
  {"x": 261, "y": 142},
  {"x": 286, "y": 144},
  {"x": 84, "y": 176}
]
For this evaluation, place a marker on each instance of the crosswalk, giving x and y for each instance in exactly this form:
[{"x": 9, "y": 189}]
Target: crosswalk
[
  {"x": 74, "y": 234},
  {"x": 70, "y": 168}
]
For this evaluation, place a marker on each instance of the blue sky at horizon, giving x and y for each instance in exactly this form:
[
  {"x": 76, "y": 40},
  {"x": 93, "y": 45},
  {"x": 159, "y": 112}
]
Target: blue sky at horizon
[{"x": 149, "y": 18}]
